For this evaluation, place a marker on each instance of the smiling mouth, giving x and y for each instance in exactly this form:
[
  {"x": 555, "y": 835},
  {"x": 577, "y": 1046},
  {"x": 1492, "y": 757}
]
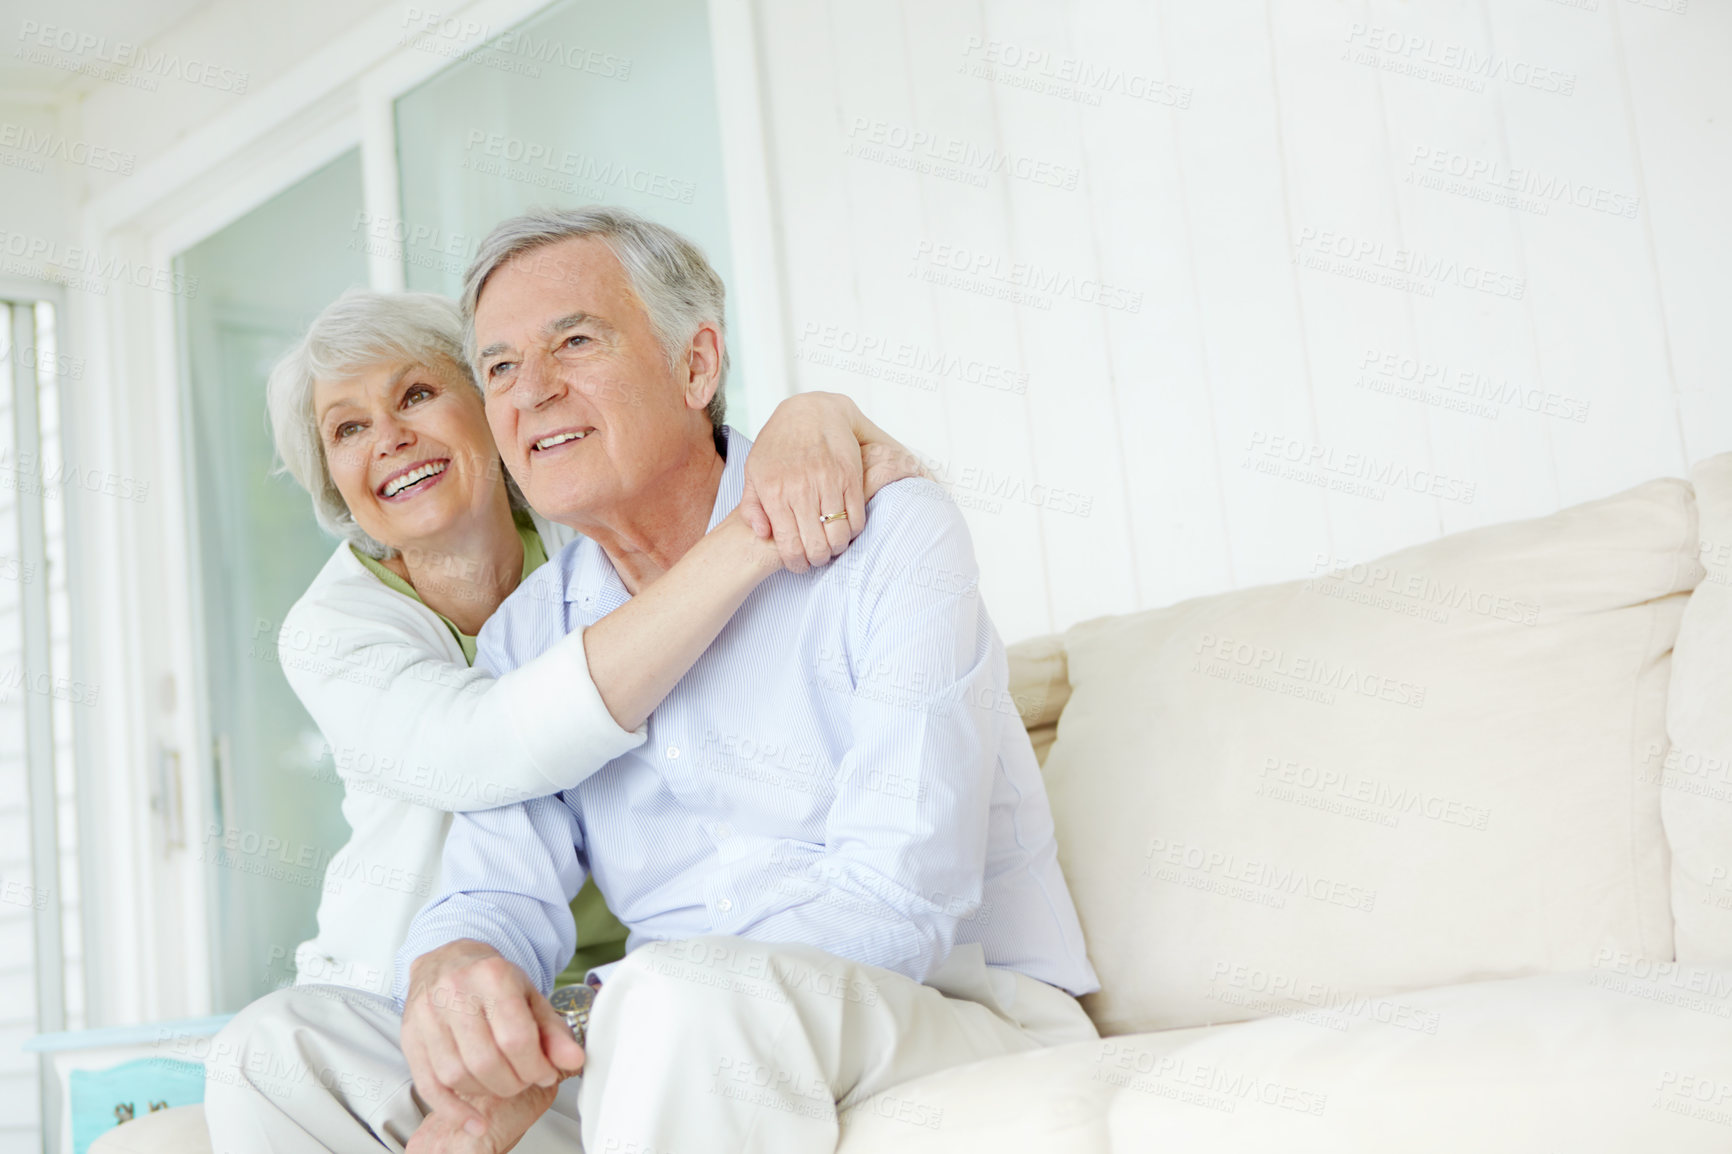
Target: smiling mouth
[
  {"x": 412, "y": 477},
  {"x": 553, "y": 440}
]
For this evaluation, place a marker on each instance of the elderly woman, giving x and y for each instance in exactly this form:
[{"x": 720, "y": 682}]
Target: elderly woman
[{"x": 376, "y": 414}]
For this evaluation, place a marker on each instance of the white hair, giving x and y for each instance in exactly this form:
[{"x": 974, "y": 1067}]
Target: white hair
[
  {"x": 355, "y": 332},
  {"x": 670, "y": 275}
]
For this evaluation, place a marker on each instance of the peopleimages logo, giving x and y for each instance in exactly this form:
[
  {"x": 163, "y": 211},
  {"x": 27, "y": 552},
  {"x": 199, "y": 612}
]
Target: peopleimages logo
[
  {"x": 931, "y": 152},
  {"x": 1354, "y": 473},
  {"x": 1392, "y": 372},
  {"x": 1451, "y": 593},
  {"x": 492, "y": 152},
  {"x": 38, "y": 146},
  {"x": 34, "y": 474},
  {"x": 1284, "y": 995},
  {"x": 1036, "y": 69},
  {"x": 37, "y": 39},
  {"x": 90, "y": 271},
  {"x": 881, "y": 355},
  {"x": 1364, "y": 258},
  {"x": 1546, "y": 188},
  {"x": 1460, "y": 65},
  {"x": 1274, "y": 662},
  {"x": 1024, "y": 282},
  {"x": 522, "y": 49},
  {"x": 1284, "y": 779},
  {"x": 1190, "y": 864}
]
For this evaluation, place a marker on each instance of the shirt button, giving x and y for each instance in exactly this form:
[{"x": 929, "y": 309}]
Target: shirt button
[
  {"x": 673, "y": 752},
  {"x": 724, "y": 831},
  {"x": 724, "y": 905}
]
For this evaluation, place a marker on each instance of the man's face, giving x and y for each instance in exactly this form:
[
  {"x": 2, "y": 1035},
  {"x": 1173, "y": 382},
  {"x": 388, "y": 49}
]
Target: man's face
[{"x": 583, "y": 403}]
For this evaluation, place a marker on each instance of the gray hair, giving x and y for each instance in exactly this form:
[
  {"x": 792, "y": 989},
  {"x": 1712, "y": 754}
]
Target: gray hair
[
  {"x": 356, "y": 331},
  {"x": 670, "y": 275}
]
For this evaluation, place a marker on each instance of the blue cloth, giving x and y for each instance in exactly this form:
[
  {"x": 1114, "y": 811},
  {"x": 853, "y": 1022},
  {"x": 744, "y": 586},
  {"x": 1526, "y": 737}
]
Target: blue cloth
[
  {"x": 100, "y": 1098},
  {"x": 843, "y": 768}
]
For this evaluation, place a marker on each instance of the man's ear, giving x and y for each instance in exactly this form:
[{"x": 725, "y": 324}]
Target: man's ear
[{"x": 703, "y": 365}]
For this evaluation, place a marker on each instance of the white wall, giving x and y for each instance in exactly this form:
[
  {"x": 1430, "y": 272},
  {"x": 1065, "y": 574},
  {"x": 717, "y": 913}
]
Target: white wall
[{"x": 1259, "y": 132}]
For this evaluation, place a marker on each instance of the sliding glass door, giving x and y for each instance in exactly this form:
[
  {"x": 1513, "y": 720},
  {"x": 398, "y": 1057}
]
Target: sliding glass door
[
  {"x": 260, "y": 281},
  {"x": 590, "y": 102}
]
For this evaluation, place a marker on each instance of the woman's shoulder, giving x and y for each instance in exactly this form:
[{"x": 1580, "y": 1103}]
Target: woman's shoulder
[{"x": 346, "y": 602}]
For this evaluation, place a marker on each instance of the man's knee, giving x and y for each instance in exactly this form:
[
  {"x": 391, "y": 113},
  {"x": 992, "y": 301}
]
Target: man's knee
[
  {"x": 252, "y": 1031},
  {"x": 716, "y": 970},
  {"x": 258, "y": 1051},
  {"x": 693, "y": 977}
]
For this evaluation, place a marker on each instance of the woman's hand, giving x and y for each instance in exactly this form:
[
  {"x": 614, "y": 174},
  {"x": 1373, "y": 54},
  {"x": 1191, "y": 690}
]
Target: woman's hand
[
  {"x": 638, "y": 652},
  {"x": 817, "y": 454},
  {"x": 888, "y": 460}
]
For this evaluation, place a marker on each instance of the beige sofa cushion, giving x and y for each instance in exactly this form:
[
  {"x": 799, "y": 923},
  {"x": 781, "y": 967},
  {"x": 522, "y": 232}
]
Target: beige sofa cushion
[
  {"x": 1696, "y": 770},
  {"x": 1559, "y": 1062},
  {"x": 1420, "y": 771},
  {"x": 1040, "y": 687}
]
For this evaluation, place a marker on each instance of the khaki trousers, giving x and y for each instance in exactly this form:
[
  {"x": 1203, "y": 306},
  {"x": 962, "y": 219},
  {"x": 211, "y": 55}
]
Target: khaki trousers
[{"x": 709, "y": 1044}]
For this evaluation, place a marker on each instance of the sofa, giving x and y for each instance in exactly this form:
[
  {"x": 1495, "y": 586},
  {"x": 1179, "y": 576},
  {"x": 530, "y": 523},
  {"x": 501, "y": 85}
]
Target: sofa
[
  {"x": 1427, "y": 853},
  {"x": 1430, "y": 853}
]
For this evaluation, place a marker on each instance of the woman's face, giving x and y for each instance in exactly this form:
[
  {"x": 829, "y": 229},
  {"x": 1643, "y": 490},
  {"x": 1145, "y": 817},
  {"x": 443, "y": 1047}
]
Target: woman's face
[{"x": 410, "y": 451}]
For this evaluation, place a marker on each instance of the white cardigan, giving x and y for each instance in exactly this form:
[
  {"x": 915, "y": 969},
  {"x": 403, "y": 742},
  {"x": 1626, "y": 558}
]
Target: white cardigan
[{"x": 416, "y": 735}]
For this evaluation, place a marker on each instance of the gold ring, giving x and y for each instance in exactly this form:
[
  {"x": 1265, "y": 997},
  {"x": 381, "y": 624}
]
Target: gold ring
[{"x": 826, "y": 518}]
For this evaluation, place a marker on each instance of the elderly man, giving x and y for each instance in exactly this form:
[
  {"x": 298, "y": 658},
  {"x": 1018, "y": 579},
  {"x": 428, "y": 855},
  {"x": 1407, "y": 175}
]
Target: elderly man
[{"x": 833, "y": 849}]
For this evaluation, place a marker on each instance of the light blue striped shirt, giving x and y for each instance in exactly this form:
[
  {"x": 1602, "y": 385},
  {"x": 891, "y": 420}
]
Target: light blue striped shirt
[{"x": 843, "y": 767}]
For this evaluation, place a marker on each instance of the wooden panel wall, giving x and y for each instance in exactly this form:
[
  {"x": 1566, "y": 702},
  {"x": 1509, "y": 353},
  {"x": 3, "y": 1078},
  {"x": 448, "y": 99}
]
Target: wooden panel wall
[{"x": 1180, "y": 297}]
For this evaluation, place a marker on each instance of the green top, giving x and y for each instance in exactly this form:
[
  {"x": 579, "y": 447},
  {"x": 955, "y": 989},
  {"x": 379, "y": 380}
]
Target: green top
[
  {"x": 534, "y": 556},
  {"x": 600, "y": 936}
]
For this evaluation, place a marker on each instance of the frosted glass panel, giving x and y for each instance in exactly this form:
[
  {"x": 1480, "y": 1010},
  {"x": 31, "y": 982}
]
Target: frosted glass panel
[
  {"x": 261, "y": 280},
  {"x": 591, "y": 102}
]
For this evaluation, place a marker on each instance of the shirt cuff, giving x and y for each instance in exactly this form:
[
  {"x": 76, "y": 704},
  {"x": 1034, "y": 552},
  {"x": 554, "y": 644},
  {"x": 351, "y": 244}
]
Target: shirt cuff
[
  {"x": 560, "y": 718},
  {"x": 446, "y": 924},
  {"x": 599, "y": 974}
]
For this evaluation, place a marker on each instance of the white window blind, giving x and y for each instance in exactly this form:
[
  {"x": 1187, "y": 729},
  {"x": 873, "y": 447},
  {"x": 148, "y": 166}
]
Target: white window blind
[{"x": 41, "y": 948}]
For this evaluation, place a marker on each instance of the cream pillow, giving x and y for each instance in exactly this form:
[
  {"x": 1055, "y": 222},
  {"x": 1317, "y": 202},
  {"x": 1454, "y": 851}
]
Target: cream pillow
[
  {"x": 1424, "y": 770},
  {"x": 1040, "y": 687},
  {"x": 1696, "y": 770}
]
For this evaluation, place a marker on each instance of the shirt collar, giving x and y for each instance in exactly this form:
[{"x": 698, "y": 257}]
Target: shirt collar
[
  {"x": 595, "y": 587},
  {"x": 733, "y": 483}
]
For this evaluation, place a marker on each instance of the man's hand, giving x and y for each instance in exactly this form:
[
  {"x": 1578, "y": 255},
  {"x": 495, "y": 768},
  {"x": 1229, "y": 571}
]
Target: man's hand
[
  {"x": 817, "y": 454},
  {"x": 474, "y": 1026},
  {"x": 508, "y": 1119}
]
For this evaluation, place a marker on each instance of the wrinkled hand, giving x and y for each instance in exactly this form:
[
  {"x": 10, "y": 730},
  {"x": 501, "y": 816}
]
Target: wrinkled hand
[
  {"x": 507, "y": 1120},
  {"x": 475, "y": 1027},
  {"x": 805, "y": 463},
  {"x": 817, "y": 454},
  {"x": 886, "y": 461}
]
